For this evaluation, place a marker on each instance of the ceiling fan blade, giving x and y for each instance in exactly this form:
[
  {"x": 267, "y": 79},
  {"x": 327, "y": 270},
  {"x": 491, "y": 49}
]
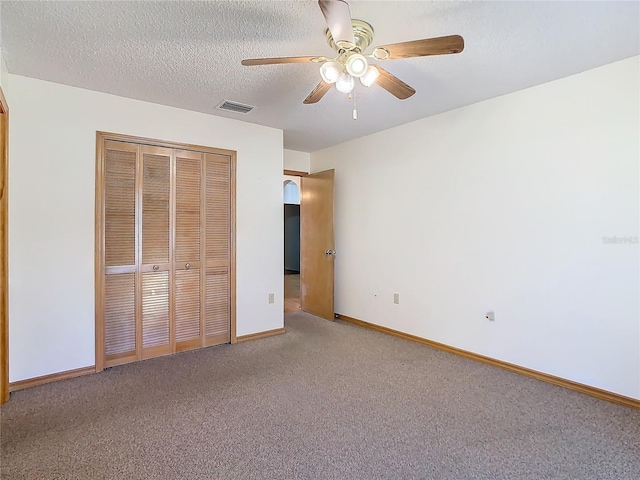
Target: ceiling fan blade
[
  {"x": 424, "y": 47},
  {"x": 317, "y": 93},
  {"x": 279, "y": 60},
  {"x": 338, "y": 17},
  {"x": 393, "y": 84}
]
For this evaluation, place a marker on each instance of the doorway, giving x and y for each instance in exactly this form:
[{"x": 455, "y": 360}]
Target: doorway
[
  {"x": 309, "y": 240},
  {"x": 291, "y": 197}
]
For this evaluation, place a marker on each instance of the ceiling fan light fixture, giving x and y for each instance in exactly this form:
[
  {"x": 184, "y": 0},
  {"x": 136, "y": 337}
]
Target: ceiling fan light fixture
[
  {"x": 370, "y": 76},
  {"x": 345, "y": 83},
  {"x": 330, "y": 71},
  {"x": 356, "y": 65}
]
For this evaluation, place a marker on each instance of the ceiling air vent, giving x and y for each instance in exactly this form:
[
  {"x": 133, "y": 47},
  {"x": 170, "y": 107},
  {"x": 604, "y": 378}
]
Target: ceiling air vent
[{"x": 235, "y": 107}]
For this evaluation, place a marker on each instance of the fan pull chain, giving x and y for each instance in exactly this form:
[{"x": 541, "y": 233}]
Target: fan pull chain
[{"x": 355, "y": 107}]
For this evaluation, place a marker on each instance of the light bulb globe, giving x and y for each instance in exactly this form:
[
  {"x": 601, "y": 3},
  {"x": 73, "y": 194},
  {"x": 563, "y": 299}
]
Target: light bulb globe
[
  {"x": 370, "y": 76},
  {"x": 330, "y": 71},
  {"x": 345, "y": 83},
  {"x": 357, "y": 65}
]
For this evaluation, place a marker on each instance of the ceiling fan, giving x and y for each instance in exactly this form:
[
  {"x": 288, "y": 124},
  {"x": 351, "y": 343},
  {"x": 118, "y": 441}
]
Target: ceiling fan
[{"x": 350, "y": 39}]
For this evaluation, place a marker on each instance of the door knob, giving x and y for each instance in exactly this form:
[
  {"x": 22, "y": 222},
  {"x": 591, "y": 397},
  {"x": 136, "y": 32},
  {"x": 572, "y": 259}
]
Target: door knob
[
  {"x": 156, "y": 267},
  {"x": 186, "y": 266},
  {"x": 329, "y": 252}
]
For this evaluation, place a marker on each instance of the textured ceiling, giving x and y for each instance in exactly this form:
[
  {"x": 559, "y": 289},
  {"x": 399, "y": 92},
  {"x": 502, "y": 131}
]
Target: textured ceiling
[{"x": 187, "y": 54}]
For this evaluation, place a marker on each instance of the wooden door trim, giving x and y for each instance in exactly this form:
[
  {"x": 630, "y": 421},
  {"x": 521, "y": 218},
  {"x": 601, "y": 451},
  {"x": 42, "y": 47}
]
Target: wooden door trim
[
  {"x": 295, "y": 173},
  {"x": 137, "y": 285},
  {"x": 4, "y": 249},
  {"x": 53, "y": 377},
  {"x": 98, "y": 258},
  {"x": 101, "y": 139},
  {"x": 528, "y": 372},
  {"x": 259, "y": 335},
  {"x": 118, "y": 137},
  {"x": 232, "y": 246}
]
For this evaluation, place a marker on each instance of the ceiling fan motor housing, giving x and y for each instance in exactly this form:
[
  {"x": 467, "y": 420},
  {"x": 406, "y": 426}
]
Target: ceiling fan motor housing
[{"x": 362, "y": 33}]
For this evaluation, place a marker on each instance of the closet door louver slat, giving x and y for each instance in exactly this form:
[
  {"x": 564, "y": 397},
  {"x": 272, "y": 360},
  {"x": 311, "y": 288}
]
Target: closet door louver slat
[
  {"x": 120, "y": 314},
  {"x": 217, "y": 303},
  {"x": 155, "y": 207},
  {"x": 217, "y": 207},
  {"x": 218, "y": 224},
  {"x": 188, "y": 175},
  {"x": 156, "y": 254},
  {"x": 120, "y": 219},
  {"x": 188, "y": 245},
  {"x": 187, "y": 305},
  {"x": 119, "y": 303},
  {"x": 155, "y": 309}
]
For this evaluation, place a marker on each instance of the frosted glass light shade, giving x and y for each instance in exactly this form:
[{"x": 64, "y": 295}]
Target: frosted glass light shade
[
  {"x": 370, "y": 76},
  {"x": 357, "y": 65},
  {"x": 345, "y": 83},
  {"x": 330, "y": 71}
]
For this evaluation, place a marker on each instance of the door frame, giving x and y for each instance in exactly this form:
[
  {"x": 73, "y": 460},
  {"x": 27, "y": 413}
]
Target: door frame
[
  {"x": 295, "y": 173},
  {"x": 101, "y": 137},
  {"x": 4, "y": 249}
]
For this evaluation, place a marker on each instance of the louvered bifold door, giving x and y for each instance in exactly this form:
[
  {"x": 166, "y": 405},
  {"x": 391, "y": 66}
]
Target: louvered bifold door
[
  {"x": 189, "y": 331},
  {"x": 119, "y": 287},
  {"x": 156, "y": 252},
  {"x": 217, "y": 252}
]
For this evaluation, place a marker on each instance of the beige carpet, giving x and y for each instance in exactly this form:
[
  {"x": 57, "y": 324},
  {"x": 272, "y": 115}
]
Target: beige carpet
[{"x": 324, "y": 401}]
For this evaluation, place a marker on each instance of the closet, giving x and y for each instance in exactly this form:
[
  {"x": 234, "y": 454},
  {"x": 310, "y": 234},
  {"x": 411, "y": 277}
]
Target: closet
[{"x": 165, "y": 255}]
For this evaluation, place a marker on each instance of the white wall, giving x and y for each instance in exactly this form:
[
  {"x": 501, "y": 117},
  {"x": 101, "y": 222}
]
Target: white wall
[
  {"x": 4, "y": 74},
  {"x": 503, "y": 205},
  {"x": 52, "y": 185},
  {"x": 298, "y": 161},
  {"x": 3, "y": 66}
]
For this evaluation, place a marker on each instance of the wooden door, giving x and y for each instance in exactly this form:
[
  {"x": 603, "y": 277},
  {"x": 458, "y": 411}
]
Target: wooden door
[
  {"x": 218, "y": 291},
  {"x": 156, "y": 252},
  {"x": 119, "y": 342},
  {"x": 188, "y": 251},
  {"x": 317, "y": 245},
  {"x": 4, "y": 249}
]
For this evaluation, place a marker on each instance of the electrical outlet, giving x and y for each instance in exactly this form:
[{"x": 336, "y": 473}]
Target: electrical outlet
[
  {"x": 396, "y": 298},
  {"x": 272, "y": 298}
]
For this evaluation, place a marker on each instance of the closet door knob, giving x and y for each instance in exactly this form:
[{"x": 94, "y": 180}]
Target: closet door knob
[
  {"x": 156, "y": 267},
  {"x": 186, "y": 265}
]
